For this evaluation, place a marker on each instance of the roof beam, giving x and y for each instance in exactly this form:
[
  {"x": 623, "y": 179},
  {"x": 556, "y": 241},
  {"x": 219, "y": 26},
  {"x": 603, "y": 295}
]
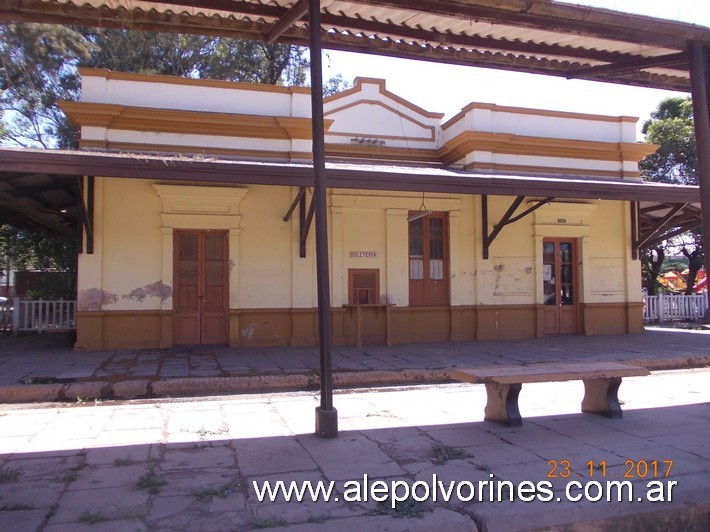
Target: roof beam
[
  {"x": 299, "y": 9},
  {"x": 350, "y": 43},
  {"x": 675, "y": 232},
  {"x": 659, "y": 226},
  {"x": 473, "y": 41},
  {"x": 305, "y": 222},
  {"x": 21, "y": 191},
  {"x": 10, "y": 202},
  {"x": 634, "y": 65},
  {"x": 233, "y": 172},
  {"x": 86, "y": 208},
  {"x": 507, "y": 218},
  {"x": 296, "y": 200},
  {"x": 655, "y": 208},
  {"x": 554, "y": 17}
]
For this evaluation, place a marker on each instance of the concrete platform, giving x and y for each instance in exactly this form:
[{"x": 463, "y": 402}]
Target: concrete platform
[
  {"x": 46, "y": 368},
  {"x": 163, "y": 465}
]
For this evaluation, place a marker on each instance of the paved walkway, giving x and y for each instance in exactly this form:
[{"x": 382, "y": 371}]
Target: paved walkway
[
  {"x": 45, "y": 368},
  {"x": 164, "y": 465}
]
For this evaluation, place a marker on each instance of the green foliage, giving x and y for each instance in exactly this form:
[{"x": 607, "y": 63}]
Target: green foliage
[
  {"x": 9, "y": 474},
  {"x": 671, "y": 127},
  {"x": 206, "y": 494},
  {"x": 196, "y": 56},
  {"x": 335, "y": 85},
  {"x": 15, "y": 506},
  {"x": 268, "y": 522},
  {"x": 37, "y": 69},
  {"x": 3, "y": 130},
  {"x": 91, "y": 518},
  {"x": 23, "y": 250},
  {"x": 444, "y": 453},
  {"x": 402, "y": 509},
  {"x": 35, "y": 251},
  {"x": 151, "y": 483}
]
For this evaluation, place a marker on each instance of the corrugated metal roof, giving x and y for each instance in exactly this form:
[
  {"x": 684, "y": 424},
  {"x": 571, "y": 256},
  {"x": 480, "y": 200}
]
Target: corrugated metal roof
[{"x": 537, "y": 36}]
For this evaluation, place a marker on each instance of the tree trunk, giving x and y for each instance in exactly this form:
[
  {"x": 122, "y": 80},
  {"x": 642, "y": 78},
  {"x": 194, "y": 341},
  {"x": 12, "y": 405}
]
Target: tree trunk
[
  {"x": 695, "y": 262},
  {"x": 653, "y": 268}
]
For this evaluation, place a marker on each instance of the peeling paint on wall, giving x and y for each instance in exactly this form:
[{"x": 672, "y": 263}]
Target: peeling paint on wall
[
  {"x": 94, "y": 298},
  {"x": 156, "y": 289},
  {"x": 249, "y": 331}
]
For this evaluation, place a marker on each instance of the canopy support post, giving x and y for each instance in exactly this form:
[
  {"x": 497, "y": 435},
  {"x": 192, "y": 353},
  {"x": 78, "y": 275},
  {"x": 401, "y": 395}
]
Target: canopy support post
[
  {"x": 326, "y": 415},
  {"x": 700, "y": 90}
]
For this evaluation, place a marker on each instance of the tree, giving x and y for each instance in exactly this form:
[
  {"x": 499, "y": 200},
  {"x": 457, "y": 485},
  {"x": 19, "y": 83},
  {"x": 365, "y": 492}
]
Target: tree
[
  {"x": 196, "y": 56},
  {"x": 671, "y": 126},
  {"x": 22, "y": 250},
  {"x": 335, "y": 85},
  {"x": 675, "y": 161},
  {"x": 651, "y": 266},
  {"x": 38, "y": 68}
]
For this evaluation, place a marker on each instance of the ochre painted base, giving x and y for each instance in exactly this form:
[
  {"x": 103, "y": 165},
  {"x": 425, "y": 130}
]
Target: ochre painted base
[
  {"x": 612, "y": 318},
  {"x": 378, "y": 325},
  {"x": 123, "y": 329}
]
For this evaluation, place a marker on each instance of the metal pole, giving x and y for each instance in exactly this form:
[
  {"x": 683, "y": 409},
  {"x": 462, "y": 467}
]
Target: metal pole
[
  {"x": 326, "y": 415},
  {"x": 700, "y": 88}
]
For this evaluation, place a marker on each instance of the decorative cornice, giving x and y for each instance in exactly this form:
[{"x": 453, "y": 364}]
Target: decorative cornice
[
  {"x": 508, "y": 143},
  {"x": 177, "y": 80},
  {"x": 537, "y": 112},
  {"x": 129, "y": 118}
]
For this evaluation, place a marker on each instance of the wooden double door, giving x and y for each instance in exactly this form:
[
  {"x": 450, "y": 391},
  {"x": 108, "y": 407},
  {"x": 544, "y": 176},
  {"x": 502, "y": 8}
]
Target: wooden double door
[
  {"x": 429, "y": 260},
  {"x": 559, "y": 263},
  {"x": 201, "y": 287}
]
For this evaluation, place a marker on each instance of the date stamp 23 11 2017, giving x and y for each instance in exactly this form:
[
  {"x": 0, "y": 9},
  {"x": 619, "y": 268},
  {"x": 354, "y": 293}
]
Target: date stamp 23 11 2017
[{"x": 632, "y": 469}]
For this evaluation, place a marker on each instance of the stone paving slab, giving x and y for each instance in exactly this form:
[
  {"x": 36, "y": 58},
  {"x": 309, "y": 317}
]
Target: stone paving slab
[{"x": 37, "y": 369}]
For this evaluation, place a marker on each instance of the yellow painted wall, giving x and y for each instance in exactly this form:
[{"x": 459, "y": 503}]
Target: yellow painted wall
[
  {"x": 126, "y": 266},
  {"x": 129, "y": 266},
  {"x": 265, "y": 249},
  {"x": 363, "y": 230}
]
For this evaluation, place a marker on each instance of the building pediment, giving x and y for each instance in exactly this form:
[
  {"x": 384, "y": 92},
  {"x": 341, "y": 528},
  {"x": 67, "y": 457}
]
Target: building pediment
[{"x": 370, "y": 114}]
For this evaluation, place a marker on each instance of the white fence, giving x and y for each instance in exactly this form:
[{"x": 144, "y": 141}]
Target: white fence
[
  {"x": 669, "y": 307},
  {"x": 37, "y": 316}
]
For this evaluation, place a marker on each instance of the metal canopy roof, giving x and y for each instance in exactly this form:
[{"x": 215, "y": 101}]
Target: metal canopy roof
[
  {"x": 535, "y": 36},
  {"x": 41, "y": 187},
  {"x": 41, "y": 201}
]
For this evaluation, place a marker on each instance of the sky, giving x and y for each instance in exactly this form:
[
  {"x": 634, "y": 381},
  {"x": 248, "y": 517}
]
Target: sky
[{"x": 447, "y": 88}]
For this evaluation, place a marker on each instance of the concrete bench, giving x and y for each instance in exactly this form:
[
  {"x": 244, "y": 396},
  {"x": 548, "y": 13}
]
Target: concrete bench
[{"x": 503, "y": 385}]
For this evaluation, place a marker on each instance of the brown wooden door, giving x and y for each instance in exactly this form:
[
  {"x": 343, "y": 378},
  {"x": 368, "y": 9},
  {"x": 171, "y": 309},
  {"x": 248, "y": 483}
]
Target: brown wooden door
[
  {"x": 559, "y": 259},
  {"x": 201, "y": 288},
  {"x": 429, "y": 261}
]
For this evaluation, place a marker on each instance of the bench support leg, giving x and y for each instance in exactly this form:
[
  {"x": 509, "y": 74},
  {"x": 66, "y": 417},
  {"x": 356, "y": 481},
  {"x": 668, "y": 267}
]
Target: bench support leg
[
  {"x": 502, "y": 404},
  {"x": 601, "y": 397}
]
